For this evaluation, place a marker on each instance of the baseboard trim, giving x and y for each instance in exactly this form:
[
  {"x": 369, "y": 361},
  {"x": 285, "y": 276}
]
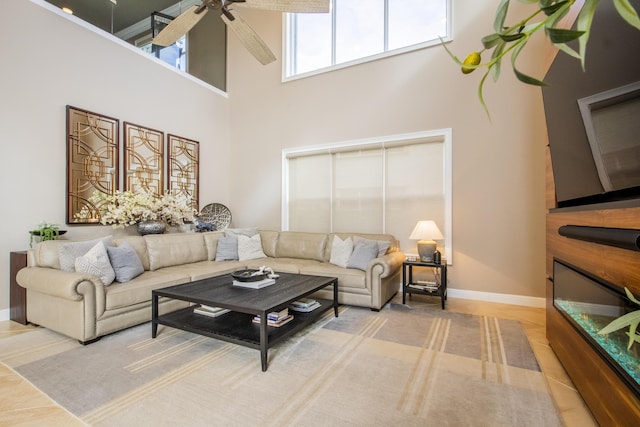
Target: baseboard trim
[
  {"x": 4, "y": 314},
  {"x": 500, "y": 298}
]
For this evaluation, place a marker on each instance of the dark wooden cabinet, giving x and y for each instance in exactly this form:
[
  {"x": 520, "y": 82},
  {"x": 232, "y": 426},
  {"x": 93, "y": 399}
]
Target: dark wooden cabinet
[{"x": 17, "y": 294}]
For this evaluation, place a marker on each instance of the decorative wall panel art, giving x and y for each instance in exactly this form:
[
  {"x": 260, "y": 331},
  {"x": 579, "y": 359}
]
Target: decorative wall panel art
[
  {"x": 92, "y": 162},
  {"x": 143, "y": 159},
  {"x": 184, "y": 167}
]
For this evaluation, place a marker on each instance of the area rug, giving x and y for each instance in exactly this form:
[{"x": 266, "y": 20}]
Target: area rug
[{"x": 400, "y": 366}]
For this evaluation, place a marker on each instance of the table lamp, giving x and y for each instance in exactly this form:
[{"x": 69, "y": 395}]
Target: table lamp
[{"x": 426, "y": 232}]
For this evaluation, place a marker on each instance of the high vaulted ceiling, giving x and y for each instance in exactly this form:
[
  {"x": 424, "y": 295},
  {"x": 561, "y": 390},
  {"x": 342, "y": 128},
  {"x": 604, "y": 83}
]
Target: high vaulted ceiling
[{"x": 113, "y": 17}]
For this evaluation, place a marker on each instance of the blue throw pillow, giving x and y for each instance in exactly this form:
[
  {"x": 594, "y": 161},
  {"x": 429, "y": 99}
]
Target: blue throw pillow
[
  {"x": 363, "y": 252},
  {"x": 125, "y": 262},
  {"x": 227, "y": 249}
]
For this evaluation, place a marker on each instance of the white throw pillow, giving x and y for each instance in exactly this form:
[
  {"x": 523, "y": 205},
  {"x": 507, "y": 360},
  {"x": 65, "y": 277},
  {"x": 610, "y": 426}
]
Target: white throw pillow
[
  {"x": 341, "y": 251},
  {"x": 250, "y": 247},
  {"x": 96, "y": 262},
  {"x": 69, "y": 252}
]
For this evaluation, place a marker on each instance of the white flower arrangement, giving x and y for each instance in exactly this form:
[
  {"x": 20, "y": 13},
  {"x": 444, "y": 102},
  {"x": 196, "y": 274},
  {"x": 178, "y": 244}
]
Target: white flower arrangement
[{"x": 124, "y": 208}]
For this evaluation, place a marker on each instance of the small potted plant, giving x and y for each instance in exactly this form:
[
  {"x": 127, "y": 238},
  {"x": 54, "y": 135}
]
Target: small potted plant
[{"x": 46, "y": 231}]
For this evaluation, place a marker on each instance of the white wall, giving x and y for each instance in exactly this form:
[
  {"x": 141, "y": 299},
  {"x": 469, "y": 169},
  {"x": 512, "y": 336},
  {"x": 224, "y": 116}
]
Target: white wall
[
  {"x": 498, "y": 167},
  {"x": 48, "y": 62}
]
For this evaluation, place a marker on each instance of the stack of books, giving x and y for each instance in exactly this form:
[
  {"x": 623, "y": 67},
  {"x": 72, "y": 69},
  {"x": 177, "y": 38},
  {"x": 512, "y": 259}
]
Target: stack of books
[
  {"x": 258, "y": 284},
  {"x": 424, "y": 286},
  {"x": 276, "y": 318},
  {"x": 207, "y": 310},
  {"x": 304, "y": 305}
]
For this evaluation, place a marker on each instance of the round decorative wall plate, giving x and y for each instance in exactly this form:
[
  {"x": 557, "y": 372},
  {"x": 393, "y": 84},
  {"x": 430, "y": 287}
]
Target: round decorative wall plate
[{"x": 216, "y": 214}]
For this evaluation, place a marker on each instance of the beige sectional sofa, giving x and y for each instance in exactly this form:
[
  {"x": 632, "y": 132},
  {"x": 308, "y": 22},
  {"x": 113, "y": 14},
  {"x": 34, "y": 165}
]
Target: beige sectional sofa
[{"x": 79, "y": 305}]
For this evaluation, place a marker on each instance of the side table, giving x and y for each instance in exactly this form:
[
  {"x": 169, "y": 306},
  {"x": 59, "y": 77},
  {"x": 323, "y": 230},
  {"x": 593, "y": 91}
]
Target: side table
[
  {"x": 17, "y": 294},
  {"x": 429, "y": 288}
]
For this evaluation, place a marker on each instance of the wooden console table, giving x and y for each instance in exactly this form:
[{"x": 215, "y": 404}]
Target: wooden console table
[{"x": 17, "y": 294}]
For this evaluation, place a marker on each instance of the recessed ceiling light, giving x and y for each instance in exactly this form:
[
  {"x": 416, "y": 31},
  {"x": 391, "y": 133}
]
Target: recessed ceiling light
[{"x": 67, "y": 10}]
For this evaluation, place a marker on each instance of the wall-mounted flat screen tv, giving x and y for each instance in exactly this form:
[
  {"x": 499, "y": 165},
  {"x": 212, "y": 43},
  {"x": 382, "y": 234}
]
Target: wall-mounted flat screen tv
[
  {"x": 612, "y": 123},
  {"x": 593, "y": 117}
]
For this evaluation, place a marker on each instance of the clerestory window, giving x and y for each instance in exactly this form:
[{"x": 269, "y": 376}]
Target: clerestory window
[{"x": 361, "y": 30}]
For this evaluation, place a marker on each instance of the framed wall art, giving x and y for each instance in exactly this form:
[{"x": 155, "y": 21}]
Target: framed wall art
[
  {"x": 183, "y": 167},
  {"x": 143, "y": 159},
  {"x": 92, "y": 162}
]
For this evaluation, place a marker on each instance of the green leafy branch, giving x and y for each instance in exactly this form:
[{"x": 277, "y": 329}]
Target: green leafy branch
[
  {"x": 46, "y": 231},
  {"x": 512, "y": 39},
  {"x": 632, "y": 320}
]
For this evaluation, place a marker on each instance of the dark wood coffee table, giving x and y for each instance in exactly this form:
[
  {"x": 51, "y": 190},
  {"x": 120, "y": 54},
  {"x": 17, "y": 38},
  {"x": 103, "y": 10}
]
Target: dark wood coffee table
[{"x": 237, "y": 326}]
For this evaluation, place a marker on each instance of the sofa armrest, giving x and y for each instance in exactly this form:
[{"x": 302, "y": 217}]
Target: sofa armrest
[
  {"x": 388, "y": 264},
  {"x": 70, "y": 285}
]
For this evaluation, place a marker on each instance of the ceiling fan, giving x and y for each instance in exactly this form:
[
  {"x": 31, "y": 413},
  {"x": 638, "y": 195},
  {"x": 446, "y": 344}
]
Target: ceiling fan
[{"x": 247, "y": 36}]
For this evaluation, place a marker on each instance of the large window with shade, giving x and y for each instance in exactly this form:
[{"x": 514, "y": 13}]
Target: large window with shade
[{"x": 382, "y": 185}]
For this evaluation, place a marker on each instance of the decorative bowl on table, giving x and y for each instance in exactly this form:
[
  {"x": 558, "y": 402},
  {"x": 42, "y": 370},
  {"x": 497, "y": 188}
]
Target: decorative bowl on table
[{"x": 248, "y": 275}]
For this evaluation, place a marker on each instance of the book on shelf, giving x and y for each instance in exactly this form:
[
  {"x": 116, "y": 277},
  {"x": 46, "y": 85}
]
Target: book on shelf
[
  {"x": 277, "y": 315},
  {"x": 275, "y": 323},
  {"x": 305, "y": 308},
  {"x": 424, "y": 286},
  {"x": 304, "y": 302},
  {"x": 254, "y": 285},
  {"x": 207, "y": 310}
]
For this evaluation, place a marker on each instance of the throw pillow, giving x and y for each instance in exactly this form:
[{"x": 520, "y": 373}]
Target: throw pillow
[
  {"x": 341, "y": 251},
  {"x": 235, "y": 232},
  {"x": 125, "y": 262},
  {"x": 70, "y": 251},
  {"x": 383, "y": 245},
  {"x": 96, "y": 263},
  {"x": 250, "y": 247},
  {"x": 227, "y": 249},
  {"x": 363, "y": 252}
]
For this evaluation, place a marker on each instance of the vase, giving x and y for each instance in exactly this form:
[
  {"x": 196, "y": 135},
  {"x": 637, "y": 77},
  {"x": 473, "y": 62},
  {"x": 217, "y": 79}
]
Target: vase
[{"x": 151, "y": 227}]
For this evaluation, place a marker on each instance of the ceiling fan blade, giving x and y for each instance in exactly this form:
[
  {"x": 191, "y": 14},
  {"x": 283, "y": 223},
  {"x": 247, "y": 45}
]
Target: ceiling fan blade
[
  {"x": 179, "y": 26},
  {"x": 294, "y": 6},
  {"x": 248, "y": 37}
]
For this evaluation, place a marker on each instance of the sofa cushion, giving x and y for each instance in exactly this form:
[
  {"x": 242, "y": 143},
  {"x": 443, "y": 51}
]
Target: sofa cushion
[
  {"x": 206, "y": 269},
  {"x": 72, "y": 250},
  {"x": 348, "y": 278},
  {"x": 138, "y": 290},
  {"x": 363, "y": 252},
  {"x": 301, "y": 245},
  {"x": 96, "y": 262},
  {"x": 279, "y": 265},
  {"x": 125, "y": 262},
  {"x": 269, "y": 241},
  {"x": 249, "y": 247},
  {"x": 47, "y": 253},
  {"x": 170, "y": 249},
  {"x": 341, "y": 251}
]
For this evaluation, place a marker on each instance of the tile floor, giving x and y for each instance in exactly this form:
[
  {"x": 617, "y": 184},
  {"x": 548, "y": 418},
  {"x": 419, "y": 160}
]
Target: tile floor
[{"x": 23, "y": 404}]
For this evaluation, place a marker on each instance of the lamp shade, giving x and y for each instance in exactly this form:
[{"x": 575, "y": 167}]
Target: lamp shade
[{"x": 426, "y": 232}]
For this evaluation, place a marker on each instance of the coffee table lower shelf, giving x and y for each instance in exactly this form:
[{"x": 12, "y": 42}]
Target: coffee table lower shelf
[{"x": 238, "y": 328}]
